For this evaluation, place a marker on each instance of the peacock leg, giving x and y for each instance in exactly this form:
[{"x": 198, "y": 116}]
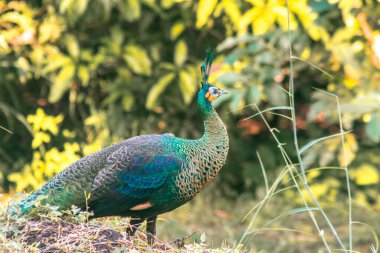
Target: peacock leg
[
  {"x": 151, "y": 229},
  {"x": 134, "y": 224}
]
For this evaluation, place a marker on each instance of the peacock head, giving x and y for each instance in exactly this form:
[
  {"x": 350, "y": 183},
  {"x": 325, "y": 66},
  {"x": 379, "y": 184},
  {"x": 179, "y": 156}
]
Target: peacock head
[
  {"x": 211, "y": 93},
  {"x": 208, "y": 91}
]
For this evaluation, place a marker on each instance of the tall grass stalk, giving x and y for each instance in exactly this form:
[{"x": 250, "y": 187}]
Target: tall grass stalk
[
  {"x": 345, "y": 167},
  {"x": 298, "y": 170},
  {"x": 293, "y": 114},
  {"x": 293, "y": 170}
]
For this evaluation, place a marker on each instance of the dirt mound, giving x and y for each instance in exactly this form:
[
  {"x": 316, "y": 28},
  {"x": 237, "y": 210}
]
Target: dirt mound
[{"x": 62, "y": 236}]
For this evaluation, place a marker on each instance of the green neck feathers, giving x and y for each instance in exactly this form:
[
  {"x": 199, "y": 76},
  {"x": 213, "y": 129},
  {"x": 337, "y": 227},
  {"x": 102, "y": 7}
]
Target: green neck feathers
[{"x": 214, "y": 127}]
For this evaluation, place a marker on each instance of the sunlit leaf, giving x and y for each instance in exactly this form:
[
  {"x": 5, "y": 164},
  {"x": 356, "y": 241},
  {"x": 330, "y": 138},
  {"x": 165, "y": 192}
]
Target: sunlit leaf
[
  {"x": 249, "y": 17},
  {"x": 205, "y": 8},
  {"x": 61, "y": 83},
  {"x": 157, "y": 89},
  {"x": 56, "y": 62},
  {"x": 232, "y": 10},
  {"x": 187, "y": 86},
  {"x": 180, "y": 53},
  {"x": 83, "y": 75},
  {"x": 72, "y": 45},
  {"x": 264, "y": 22},
  {"x": 131, "y": 9},
  {"x": 281, "y": 14},
  {"x": 176, "y": 30},
  {"x": 115, "y": 42},
  {"x": 81, "y": 6},
  {"x": 65, "y": 5},
  {"x": 128, "y": 101},
  {"x": 166, "y": 4},
  {"x": 155, "y": 52},
  {"x": 138, "y": 60},
  {"x": 50, "y": 29}
]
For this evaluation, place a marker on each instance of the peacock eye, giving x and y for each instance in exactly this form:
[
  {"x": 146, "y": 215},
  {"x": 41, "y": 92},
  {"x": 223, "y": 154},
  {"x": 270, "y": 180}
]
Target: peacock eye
[{"x": 214, "y": 91}]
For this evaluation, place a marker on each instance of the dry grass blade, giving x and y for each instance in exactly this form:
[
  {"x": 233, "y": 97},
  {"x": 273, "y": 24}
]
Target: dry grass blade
[
  {"x": 264, "y": 173},
  {"x": 374, "y": 234},
  {"x": 274, "y": 108},
  {"x": 1, "y": 127},
  {"x": 311, "y": 64},
  {"x": 261, "y": 230},
  {"x": 313, "y": 142}
]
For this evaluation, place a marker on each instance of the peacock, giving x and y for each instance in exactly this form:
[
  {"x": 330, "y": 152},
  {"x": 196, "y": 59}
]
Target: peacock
[{"x": 146, "y": 175}]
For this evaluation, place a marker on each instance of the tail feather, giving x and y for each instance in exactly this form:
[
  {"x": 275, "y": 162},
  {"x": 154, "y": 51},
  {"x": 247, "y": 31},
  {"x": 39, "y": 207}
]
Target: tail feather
[{"x": 23, "y": 207}]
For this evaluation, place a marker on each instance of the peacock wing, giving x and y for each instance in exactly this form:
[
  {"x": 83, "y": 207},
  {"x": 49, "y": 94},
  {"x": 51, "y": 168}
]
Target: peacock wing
[{"x": 130, "y": 178}]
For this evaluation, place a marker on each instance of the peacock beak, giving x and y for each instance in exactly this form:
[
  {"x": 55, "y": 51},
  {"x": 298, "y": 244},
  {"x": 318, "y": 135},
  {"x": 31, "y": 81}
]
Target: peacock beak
[{"x": 221, "y": 92}]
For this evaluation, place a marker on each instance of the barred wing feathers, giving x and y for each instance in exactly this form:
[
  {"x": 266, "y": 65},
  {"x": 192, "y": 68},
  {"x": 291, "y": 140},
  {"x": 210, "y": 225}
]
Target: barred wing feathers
[{"x": 132, "y": 177}]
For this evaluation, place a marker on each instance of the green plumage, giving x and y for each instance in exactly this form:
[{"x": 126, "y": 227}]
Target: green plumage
[
  {"x": 146, "y": 175},
  {"x": 206, "y": 65}
]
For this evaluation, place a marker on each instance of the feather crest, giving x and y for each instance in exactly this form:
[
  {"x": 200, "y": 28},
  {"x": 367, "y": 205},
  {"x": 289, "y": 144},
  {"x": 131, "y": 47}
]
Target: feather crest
[{"x": 206, "y": 66}]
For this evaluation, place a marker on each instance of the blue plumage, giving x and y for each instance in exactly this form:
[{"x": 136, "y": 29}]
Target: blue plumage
[{"x": 149, "y": 171}]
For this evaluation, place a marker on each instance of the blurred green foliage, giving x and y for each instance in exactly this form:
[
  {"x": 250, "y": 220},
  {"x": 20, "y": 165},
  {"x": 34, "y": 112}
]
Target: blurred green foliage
[{"x": 80, "y": 75}]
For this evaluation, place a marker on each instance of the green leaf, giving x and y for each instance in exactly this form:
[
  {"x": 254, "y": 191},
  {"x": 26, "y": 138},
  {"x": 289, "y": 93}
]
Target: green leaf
[
  {"x": 176, "y": 30},
  {"x": 373, "y": 128},
  {"x": 127, "y": 102},
  {"x": 166, "y": 4},
  {"x": 180, "y": 53},
  {"x": 56, "y": 62},
  {"x": 115, "y": 41},
  {"x": 276, "y": 96},
  {"x": 254, "y": 95},
  {"x": 187, "y": 86},
  {"x": 157, "y": 89},
  {"x": 231, "y": 42},
  {"x": 84, "y": 75},
  {"x": 138, "y": 60},
  {"x": 236, "y": 100},
  {"x": 78, "y": 7},
  {"x": 231, "y": 77},
  {"x": 131, "y": 9},
  {"x": 61, "y": 83},
  {"x": 81, "y": 6},
  {"x": 155, "y": 52},
  {"x": 65, "y": 5},
  {"x": 72, "y": 46},
  {"x": 205, "y": 8}
]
